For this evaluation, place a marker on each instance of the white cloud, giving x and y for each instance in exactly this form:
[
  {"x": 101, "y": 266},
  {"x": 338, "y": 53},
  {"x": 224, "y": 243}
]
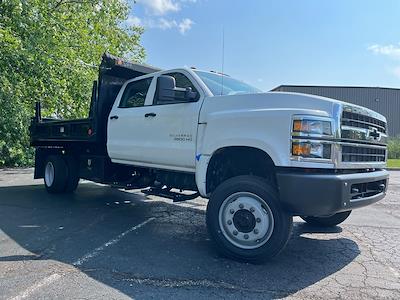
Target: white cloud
[
  {"x": 160, "y": 7},
  {"x": 154, "y": 15},
  {"x": 165, "y": 24},
  {"x": 134, "y": 21},
  {"x": 392, "y": 51},
  {"x": 185, "y": 25}
]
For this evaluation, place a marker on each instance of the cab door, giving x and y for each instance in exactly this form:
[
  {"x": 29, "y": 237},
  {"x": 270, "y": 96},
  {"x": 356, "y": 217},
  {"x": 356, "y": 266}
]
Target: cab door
[
  {"x": 173, "y": 127},
  {"x": 128, "y": 138}
]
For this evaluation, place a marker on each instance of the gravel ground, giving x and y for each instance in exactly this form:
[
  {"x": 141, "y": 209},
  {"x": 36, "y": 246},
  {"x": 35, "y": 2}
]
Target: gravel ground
[{"x": 107, "y": 243}]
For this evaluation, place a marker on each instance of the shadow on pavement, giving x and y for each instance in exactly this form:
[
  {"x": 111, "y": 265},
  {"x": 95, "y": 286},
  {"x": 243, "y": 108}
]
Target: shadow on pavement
[
  {"x": 307, "y": 228},
  {"x": 171, "y": 252}
]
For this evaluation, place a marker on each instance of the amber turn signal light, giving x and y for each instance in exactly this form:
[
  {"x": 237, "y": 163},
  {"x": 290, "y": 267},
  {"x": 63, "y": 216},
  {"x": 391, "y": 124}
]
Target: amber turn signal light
[{"x": 301, "y": 149}]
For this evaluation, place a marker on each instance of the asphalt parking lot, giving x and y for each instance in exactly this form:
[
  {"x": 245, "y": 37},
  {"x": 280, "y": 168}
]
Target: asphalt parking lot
[{"x": 107, "y": 243}]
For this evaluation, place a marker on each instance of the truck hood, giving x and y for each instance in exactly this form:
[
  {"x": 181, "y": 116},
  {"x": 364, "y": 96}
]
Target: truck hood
[{"x": 296, "y": 103}]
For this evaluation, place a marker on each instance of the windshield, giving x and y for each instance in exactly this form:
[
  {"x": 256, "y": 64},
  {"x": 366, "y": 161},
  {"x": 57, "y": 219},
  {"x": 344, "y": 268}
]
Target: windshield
[{"x": 225, "y": 85}]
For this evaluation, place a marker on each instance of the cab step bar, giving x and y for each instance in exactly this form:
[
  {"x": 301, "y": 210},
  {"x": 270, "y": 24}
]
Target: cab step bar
[{"x": 168, "y": 193}]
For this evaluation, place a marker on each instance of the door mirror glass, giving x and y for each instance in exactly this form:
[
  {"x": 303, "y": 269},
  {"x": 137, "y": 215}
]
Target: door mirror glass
[{"x": 166, "y": 88}]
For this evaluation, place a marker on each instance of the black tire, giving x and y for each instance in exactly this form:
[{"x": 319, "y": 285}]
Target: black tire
[
  {"x": 73, "y": 174},
  {"x": 60, "y": 174},
  {"x": 330, "y": 221},
  {"x": 282, "y": 221}
]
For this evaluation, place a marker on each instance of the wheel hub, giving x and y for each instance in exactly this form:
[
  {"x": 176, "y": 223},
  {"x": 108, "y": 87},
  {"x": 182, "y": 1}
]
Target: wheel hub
[
  {"x": 49, "y": 174},
  {"x": 244, "y": 221}
]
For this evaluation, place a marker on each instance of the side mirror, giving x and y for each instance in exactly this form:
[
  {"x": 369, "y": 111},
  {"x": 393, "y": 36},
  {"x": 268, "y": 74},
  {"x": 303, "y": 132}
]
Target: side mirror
[
  {"x": 169, "y": 93},
  {"x": 166, "y": 88},
  {"x": 190, "y": 95}
]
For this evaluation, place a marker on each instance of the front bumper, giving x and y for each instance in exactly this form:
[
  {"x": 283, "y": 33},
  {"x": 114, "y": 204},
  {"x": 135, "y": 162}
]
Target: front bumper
[{"x": 319, "y": 194}]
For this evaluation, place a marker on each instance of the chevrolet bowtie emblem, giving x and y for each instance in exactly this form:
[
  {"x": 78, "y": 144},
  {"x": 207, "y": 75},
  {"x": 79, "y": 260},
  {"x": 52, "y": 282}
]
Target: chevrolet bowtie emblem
[{"x": 374, "y": 133}]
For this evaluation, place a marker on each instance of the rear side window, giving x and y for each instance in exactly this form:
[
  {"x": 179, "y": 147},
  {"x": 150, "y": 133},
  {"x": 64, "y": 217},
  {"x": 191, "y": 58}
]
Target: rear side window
[{"x": 135, "y": 93}]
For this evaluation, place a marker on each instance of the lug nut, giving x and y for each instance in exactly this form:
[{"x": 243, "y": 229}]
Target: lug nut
[
  {"x": 235, "y": 232},
  {"x": 256, "y": 231},
  {"x": 229, "y": 222},
  {"x": 252, "y": 209},
  {"x": 232, "y": 211},
  {"x": 241, "y": 206},
  {"x": 246, "y": 236},
  {"x": 258, "y": 220}
]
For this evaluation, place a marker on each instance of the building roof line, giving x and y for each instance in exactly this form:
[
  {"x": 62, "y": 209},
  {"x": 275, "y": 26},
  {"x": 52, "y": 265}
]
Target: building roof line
[{"x": 334, "y": 86}]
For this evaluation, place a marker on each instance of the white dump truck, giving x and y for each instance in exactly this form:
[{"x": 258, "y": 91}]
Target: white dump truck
[{"x": 260, "y": 158}]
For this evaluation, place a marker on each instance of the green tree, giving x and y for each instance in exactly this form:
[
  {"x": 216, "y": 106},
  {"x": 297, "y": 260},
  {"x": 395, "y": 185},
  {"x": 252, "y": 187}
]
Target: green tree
[{"x": 48, "y": 50}]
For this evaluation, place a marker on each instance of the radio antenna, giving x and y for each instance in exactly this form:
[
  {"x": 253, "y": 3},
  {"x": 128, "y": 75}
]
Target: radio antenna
[{"x": 223, "y": 60}]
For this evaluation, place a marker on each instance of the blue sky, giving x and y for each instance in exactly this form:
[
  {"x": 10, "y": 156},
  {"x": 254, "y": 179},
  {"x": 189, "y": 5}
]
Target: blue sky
[{"x": 268, "y": 43}]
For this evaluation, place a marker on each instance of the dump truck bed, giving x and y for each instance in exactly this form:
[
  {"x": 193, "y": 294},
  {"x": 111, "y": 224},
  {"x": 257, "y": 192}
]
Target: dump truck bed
[{"x": 113, "y": 73}]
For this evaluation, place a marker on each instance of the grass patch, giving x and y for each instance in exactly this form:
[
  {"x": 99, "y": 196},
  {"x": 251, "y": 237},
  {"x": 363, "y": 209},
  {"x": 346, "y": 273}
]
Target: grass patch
[{"x": 393, "y": 163}]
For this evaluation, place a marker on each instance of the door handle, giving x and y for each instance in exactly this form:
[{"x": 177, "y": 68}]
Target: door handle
[
  {"x": 114, "y": 117},
  {"x": 150, "y": 115}
]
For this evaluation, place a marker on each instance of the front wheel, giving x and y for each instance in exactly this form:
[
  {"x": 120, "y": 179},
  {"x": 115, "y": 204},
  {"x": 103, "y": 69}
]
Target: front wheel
[
  {"x": 329, "y": 221},
  {"x": 246, "y": 220}
]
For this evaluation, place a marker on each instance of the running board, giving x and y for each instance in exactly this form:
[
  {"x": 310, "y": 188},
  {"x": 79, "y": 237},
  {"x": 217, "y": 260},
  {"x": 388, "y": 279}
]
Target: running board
[{"x": 167, "y": 193}]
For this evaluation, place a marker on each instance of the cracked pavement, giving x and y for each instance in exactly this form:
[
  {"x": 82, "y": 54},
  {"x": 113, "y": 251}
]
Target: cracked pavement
[{"x": 42, "y": 237}]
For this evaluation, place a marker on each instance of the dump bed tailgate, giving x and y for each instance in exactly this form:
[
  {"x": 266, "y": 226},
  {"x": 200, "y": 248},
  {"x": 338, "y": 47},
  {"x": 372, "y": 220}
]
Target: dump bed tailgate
[{"x": 50, "y": 131}]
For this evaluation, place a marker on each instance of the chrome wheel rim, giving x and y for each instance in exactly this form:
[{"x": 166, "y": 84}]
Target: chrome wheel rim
[
  {"x": 246, "y": 220},
  {"x": 49, "y": 174}
]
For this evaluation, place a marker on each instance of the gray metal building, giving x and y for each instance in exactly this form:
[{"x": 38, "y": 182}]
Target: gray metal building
[{"x": 386, "y": 101}]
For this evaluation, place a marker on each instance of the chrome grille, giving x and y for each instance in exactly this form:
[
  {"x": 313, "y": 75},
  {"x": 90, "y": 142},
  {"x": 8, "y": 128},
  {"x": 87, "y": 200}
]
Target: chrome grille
[
  {"x": 357, "y": 120},
  {"x": 358, "y": 153}
]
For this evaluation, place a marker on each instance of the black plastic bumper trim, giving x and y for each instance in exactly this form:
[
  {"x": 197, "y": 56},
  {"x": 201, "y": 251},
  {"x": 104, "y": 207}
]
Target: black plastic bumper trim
[{"x": 316, "y": 194}]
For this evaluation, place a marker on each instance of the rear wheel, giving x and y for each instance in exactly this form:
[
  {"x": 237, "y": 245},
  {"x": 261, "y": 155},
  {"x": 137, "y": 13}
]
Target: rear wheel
[
  {"x": 328, "y": 221},
  {"x": 246, "y": 221},
  {"x": 55, "y": 174},
  {"x": 73, "y": 174}
]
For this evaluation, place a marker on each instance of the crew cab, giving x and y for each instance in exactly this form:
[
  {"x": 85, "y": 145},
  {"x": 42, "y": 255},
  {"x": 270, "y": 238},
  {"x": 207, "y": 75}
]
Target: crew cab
[{"x": 260, "y": 158}]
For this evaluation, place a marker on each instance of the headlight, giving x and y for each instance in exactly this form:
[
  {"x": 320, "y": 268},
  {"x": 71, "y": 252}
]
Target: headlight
[
  {"x": 310, "y": 126},
  {"x": 309, "y": 149}
]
